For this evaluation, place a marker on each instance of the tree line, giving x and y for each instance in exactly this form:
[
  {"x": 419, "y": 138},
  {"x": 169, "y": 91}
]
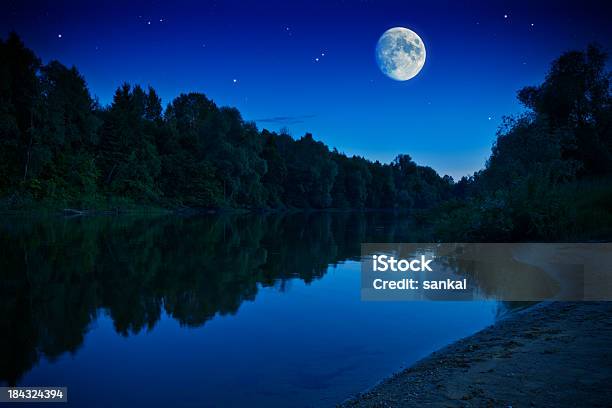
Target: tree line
[
  {"x": 548, "y": 174},
  {"x": 61, "y": 148}
]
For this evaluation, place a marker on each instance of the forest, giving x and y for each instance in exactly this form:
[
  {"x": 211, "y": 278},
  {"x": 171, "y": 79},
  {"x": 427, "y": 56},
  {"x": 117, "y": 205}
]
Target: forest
[{"x": 548, "y": 174}]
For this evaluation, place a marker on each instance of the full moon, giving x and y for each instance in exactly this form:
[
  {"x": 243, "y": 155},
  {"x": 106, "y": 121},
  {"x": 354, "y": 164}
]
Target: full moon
[{"x": 400, "y": 53}]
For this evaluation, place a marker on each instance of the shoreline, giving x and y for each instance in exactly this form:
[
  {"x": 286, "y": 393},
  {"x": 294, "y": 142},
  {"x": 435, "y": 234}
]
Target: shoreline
[
  {"x": 555, "y": 354},
  {"x": 144, "y": 209}
]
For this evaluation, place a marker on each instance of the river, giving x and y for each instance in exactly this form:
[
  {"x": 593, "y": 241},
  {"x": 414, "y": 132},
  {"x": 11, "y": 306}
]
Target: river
[{"x": 214, "y": 311}]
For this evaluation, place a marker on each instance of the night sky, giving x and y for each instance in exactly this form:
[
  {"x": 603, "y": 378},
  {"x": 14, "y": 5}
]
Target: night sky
[{"x": 310, "y": 66}]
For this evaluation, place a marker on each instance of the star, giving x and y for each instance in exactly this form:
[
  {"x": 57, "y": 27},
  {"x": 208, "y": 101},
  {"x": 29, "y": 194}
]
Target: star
[
  {"x": 322, "y": 54},
  {"x": 489, "y": 118},
  {"x": 161, "y": 20},
  {"x": 532, "y": 24},
  {"x": 59, "y": 36},
  {"x": 317, "y": 59},
  {"x": 148, "y": 23},
  {"x": 505, "y": 16},
  {"x": 234, "y": 80}
]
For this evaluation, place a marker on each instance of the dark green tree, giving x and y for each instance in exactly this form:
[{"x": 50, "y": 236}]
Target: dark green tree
[
  {"x": 19, "y": 104},
  {"x": 129, "y": 160}
]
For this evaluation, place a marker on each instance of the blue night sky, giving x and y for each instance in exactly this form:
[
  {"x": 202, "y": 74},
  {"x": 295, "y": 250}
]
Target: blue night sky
[{"x": 261, "y": 57}]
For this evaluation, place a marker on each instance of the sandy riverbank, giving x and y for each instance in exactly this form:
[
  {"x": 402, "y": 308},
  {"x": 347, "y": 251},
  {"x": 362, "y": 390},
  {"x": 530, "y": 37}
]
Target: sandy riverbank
[{"x": 554, "y": 355}]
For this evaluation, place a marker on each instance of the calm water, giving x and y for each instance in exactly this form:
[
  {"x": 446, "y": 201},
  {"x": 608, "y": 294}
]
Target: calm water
[{"x": 211, "y": 311}]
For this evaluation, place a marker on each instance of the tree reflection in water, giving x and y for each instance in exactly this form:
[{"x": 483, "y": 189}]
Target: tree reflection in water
[{"x": 57, "y": 275}]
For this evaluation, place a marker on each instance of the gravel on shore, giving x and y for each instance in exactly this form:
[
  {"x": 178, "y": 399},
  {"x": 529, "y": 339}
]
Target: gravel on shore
[{"x": 552, "y": 355}]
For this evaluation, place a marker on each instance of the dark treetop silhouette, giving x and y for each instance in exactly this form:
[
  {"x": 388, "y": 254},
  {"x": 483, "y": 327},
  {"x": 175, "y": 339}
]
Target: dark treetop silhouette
[{"x": 547, "y": 176}]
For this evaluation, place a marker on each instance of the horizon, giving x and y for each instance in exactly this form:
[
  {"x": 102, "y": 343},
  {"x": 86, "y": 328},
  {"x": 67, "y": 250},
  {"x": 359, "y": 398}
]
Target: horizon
[{"x": 316, "y": 73}]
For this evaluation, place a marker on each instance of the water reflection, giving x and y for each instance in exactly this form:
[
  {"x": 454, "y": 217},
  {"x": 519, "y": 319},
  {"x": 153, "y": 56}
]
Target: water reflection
[{"x": 57, "y": 275}]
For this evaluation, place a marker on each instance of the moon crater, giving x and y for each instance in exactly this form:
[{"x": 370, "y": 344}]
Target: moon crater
[{"x": 400, "y": 53}]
